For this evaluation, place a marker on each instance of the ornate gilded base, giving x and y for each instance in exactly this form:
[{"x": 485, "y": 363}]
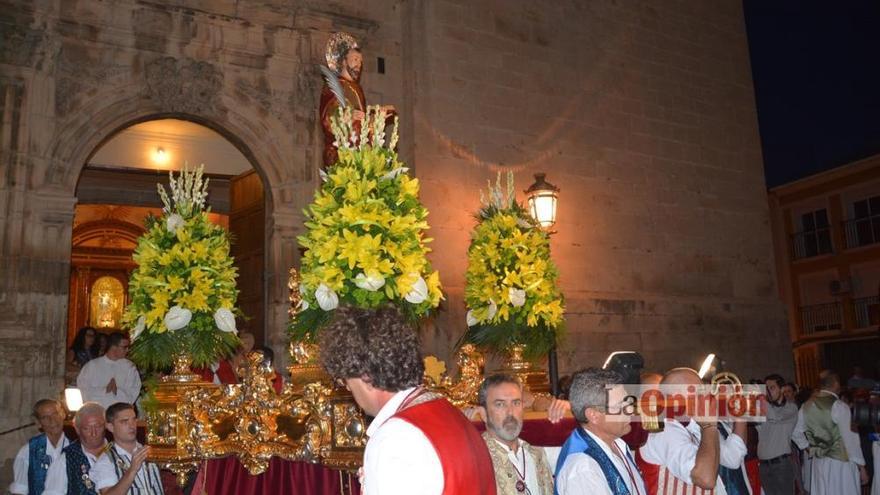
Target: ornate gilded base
[
  {"x": 314, "y": 424},
  {"x": 533, "y": 377},
  {"x": 167, "y": 432}
]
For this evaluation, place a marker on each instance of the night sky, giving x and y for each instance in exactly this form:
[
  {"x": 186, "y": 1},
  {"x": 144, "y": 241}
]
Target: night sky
[{"x": 816, "y": 67}]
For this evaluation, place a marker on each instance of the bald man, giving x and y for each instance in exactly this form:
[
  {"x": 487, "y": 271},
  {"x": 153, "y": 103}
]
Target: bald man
[{"x": 694, "y": 457}]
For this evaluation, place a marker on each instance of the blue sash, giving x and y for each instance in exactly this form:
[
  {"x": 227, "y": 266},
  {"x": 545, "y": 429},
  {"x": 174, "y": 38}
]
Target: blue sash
[
  {"x": 734, "y": 483},
  {"x": 574, "y": 444},
  {"x": 581, "y": 441},
  {"x": 78, "y": 466},
  {"x": 38, "y": 463}
]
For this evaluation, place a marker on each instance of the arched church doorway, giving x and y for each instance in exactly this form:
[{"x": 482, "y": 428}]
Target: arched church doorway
[{"x": 116, "y": 191}]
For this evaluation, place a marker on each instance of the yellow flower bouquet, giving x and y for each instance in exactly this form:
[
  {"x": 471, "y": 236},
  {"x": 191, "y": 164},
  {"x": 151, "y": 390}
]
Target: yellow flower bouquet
[
  {"x": 511, "y": 290},
  {"x": 365, "y": 243},
  {"x": 183, "y": 291}
]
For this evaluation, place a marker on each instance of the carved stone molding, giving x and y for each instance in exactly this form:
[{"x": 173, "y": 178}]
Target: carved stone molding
[{"x": 184, "y": 85}]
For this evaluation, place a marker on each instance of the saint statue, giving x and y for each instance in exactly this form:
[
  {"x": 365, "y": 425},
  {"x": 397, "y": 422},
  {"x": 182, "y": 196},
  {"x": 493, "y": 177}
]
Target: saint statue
[{"x": 342, "y": 88}]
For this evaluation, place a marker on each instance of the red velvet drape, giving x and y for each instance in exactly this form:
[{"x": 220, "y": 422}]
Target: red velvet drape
[{"x": 228, "y": 476}]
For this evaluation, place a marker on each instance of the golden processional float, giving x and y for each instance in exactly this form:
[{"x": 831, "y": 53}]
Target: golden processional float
[{"x": 366, "y": 221}]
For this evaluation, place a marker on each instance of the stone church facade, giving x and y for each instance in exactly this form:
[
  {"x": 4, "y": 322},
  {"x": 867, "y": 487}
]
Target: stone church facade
[{"x": 644, "y": 114}]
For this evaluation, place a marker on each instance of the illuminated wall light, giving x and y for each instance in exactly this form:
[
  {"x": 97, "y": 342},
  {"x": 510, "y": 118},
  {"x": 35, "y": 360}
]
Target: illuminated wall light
[
  {"x": 160, "y": 156},
  {"x": 542, "y": 198},
  {"x": 73, "y": 398}
]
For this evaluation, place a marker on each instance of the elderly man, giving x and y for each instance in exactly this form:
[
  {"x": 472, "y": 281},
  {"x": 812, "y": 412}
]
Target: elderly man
[
  {"x": 34, "y": 458},
  {"x": 418, "y": 442},
  {"x": 69, "y": 475},
  {"x": 123, "y": 468},
  {"x": 823, "y": 427},
  {"x": 685, "y": 456},
  {"x": 519, "y": 467},
  {"x": 595, "y": 459},
  {"x": 110, "y": 378}
]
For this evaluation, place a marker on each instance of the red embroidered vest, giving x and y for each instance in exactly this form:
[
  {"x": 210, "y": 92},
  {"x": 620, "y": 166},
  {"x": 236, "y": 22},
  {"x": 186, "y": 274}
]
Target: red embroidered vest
[{"x": 467, "y": 467}]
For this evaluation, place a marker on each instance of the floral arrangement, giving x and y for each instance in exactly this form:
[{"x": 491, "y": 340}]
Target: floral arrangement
[
  {"x": 511, "y": 283},
  {"x": 365, "y": 243},
  {"x": 183, "y": 292}
]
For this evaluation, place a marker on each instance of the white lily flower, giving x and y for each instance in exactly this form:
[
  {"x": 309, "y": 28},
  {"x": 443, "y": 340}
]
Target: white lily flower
[
  {"x": 493, "y": 309},
  {"x": 323, "y": 175},
  {"x": 418, "y": 293},
  {"x": 516, "y": 296},
  {"x": 394, "y": 173},
  {"x": 174, "y": 222},
  {"x": 471, "y": 319},
  {"x": 371, "y": 283},
  {"x": 225, "y": 320},
  {"x": 177, "y": 318},
  {"x": 138, "y": 328},
  {"x": 327, "y": 299},
  {"x": 303, "y": 305}
]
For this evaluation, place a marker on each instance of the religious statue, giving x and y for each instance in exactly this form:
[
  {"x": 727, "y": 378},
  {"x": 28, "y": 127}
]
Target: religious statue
[{"x": 342, "y": 88}]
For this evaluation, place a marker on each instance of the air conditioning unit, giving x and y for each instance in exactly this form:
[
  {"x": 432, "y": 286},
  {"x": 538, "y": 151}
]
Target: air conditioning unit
[{"x": 838, "y": 287}]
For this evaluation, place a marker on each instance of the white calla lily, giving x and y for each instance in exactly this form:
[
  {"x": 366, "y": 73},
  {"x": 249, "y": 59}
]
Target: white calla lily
[
  {"x": 174, "y": 222},
  {"x": 225, "y": 320},
  {"x": 372, "y": 282},
  {"x": 394, "y": 173},
  {"x": 471, "y": 319},
  {"x": 139, "y": 327},
  {"x": 493, "y": 309},
  {"x": 303, "y": 305},
  {"x": 327, "y": 299},
  {"x": 418, "y": 293},
  {"x": 177, "y": 318},
  {"x": 516, "y": 296}
]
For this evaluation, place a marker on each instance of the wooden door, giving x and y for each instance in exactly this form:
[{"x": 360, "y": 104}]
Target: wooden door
[{"x": 247, "y": 223}]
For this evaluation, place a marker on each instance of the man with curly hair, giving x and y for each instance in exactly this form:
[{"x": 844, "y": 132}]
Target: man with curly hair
[{"x": 418, "y": 442}]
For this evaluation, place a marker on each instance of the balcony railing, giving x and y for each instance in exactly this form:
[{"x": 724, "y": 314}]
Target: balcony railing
[
  {"x": 809, "y": 243},
  {"x": 866, "y": 311},
  {"x": 862, "y": 231},
  {"x": 821, "y": 318}
]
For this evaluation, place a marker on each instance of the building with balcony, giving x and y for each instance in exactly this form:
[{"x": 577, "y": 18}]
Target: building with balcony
[{"x": 826, "y": 236}]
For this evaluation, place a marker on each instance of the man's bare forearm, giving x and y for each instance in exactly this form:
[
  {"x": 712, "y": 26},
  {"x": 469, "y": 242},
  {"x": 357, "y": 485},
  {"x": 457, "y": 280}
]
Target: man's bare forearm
[{"x": 705, "y": 472}]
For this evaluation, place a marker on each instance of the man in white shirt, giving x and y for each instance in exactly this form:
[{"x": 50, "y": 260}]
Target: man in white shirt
[
  {"x": 823, "y": 427},
  {"x": 123, "y": 469},
  {"x": 419, "y": 444},
  {"x": 519, "y": 467},
  {"x": 688, "y": 455},
  {"x": 70, "y": 472},
  {"x": 110, "y": 378},
  {"x": 775, "y": 464},
  {"x": 595, "y": 460},
  {"x": 34, "y": 458}
]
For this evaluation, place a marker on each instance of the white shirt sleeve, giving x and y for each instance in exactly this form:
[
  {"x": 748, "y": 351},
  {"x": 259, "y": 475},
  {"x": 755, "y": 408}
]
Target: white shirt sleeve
[
  {"x": 581, "y": 475},
  {"x": 400, "y": 460},
  {"x": 733, "y": 450},
  {"x": 673, "y": 448},
  {"x": 56, "y": 478},
  {"x": 131, "y": 388},
  {"x": 87, "y": 382},
  {"x": 798, "y": 435},
  {"x": 20, "y": 467},
  {"x": 841, "y": 415},
  {"x": 103, "y": 474},
  {"x": 552, "y": 454}
]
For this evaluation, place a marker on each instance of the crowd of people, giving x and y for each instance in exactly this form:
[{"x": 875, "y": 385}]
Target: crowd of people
[{"x": 418, "y": 443}]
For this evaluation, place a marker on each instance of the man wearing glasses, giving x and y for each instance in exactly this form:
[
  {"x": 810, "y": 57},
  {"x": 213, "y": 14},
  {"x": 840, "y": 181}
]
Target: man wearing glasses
[
  {"x": 70, "y": 472},
  {"x": 111, "y": 378},
  {"x": 595, "y": 460}
]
